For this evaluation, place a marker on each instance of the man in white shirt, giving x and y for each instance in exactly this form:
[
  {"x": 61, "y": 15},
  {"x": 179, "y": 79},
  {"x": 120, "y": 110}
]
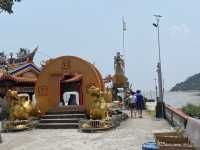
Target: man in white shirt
[{"x": 132, "y": 104}]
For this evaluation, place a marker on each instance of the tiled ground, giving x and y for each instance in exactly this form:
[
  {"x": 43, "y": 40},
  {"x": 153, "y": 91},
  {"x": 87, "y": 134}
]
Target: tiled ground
[{"x": 129, "y": 136}]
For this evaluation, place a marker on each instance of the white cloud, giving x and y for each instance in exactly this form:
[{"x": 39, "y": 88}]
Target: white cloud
[{"x": 181, "y": 31}]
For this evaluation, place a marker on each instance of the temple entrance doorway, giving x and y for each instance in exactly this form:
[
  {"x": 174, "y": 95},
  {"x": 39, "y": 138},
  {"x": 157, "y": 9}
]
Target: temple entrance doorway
[
  {"x": 70, "y": 90},
  {"x": 71, "y": 98}
]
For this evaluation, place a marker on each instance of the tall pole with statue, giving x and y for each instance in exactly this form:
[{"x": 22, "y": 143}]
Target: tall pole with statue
[{"x": 120, "y": 81}]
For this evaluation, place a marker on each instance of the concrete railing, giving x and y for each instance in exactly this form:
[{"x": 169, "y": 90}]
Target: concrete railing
[
  {"x": 179, "y": 119},
  {"x": 175, "y": 116}
]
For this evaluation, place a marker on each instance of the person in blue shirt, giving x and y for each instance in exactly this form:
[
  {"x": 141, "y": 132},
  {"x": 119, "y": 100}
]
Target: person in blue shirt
[{"x": 139, "y": 102}]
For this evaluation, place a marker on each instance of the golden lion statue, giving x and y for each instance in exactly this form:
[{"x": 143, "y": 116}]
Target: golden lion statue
[
  {"x": 99, "y": 109},
  {"x": 20, "y": 106}
]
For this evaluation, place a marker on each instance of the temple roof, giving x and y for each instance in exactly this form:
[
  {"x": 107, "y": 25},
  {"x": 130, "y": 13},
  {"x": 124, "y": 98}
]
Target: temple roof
[
  {"x": 5, "y": 76},
  {"x": 19, "y": 68},
  {"x": 24, "y": 68},
  {"x": 17, "y": 74}
]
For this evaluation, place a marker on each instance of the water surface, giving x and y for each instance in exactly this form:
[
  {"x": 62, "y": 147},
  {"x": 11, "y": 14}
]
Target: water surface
[{"x": 179, "y": 99}]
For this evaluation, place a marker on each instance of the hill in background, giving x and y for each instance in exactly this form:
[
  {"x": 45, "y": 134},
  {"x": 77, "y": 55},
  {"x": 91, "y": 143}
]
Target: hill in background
[{"x": 191, "y": 83}]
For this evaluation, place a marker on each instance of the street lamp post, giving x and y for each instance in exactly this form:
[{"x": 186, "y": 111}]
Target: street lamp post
[
  {"x": 160, "y": 104},
  {"x": 156, "y": 89}
]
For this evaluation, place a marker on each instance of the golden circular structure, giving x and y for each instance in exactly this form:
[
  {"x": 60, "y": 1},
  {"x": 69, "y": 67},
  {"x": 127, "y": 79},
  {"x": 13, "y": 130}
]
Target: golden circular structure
[{"x": 77, "y": 70}]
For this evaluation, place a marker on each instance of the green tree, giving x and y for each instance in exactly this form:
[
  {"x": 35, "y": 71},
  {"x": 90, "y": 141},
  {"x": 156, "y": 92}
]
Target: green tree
[{"x": 6, "y": 5}]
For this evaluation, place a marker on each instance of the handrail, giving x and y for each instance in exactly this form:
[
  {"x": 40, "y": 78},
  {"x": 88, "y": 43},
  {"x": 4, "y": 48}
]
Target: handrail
[
  {"x": 175, "y": 116},
  {"x": 177, "y": 111}
]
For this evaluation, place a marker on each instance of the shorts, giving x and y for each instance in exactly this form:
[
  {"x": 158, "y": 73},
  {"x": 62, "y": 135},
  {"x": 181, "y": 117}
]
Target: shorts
[
  {"x": 139, "y": 106},
  {"x": 132, "y": 105}
]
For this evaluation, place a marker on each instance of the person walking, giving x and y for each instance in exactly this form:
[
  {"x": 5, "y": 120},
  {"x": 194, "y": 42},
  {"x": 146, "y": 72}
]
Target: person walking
[
  {"x": 132, "y": 104},
  {"x": 139, "y": 102},
  {"x": 1, "y": 110}
]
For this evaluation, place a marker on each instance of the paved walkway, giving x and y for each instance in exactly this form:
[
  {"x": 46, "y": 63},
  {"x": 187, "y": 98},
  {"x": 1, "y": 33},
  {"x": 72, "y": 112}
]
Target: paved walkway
[{"x": 129, "y": 136}]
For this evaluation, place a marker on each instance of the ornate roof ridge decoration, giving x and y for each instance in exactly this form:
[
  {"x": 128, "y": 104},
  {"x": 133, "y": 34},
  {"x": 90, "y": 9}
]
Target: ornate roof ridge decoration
[
  {"x": 75, "y": 77},
  {"x": 24, "y": 56},
  {"x": 4, "y": 75}
]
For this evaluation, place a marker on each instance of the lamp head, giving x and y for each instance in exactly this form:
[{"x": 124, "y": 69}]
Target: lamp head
[
  {"x": 157, "y": 16},
  {"x": 155, "y": 25}
]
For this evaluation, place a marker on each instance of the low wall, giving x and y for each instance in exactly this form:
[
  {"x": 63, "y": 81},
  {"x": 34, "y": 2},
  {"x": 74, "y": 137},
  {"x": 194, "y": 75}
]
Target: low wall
[{"x": 193, "y": 131}]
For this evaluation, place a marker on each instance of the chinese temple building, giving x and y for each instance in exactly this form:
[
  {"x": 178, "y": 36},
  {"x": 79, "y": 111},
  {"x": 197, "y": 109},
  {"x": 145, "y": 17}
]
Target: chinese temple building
[{"x": 18, "y": 73}]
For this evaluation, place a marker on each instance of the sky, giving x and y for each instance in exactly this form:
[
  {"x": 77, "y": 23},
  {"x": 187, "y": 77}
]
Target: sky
[{"x": 92, "y": 30}]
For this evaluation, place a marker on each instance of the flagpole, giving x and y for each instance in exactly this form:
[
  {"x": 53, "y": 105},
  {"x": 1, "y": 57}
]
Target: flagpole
[
  {"x": 123, "y": 43},
  {"x": 123, "y": 40},
  {"x": 124, "y": 52}
]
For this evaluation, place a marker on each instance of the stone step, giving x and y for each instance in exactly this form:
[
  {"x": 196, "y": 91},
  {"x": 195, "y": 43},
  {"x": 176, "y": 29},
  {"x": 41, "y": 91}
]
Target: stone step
[
  {"x": 58, "y": 116},
  {"x": 58, "y": 125},
  {"x": 68, "y": 108},
  {"x": 60, "y": 120},
  {"x": 65, "y": 112}
]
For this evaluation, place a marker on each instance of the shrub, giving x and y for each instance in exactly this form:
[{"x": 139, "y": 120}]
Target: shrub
[{"x": 192, "y": 110}]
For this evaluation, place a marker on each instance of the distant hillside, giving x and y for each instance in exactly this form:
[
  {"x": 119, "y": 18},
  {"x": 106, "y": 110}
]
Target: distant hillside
[{"x": 191, "y": 83}]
